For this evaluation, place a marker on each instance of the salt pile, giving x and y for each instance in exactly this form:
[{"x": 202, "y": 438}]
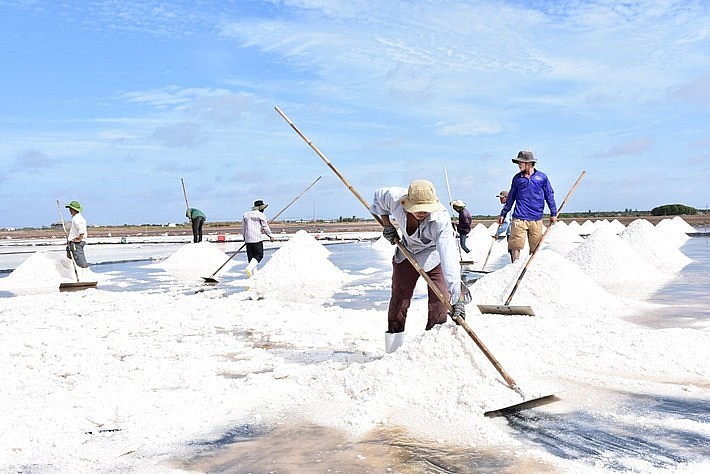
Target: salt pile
[
  {"x": 299, "y": 271},
  {"x": 587, "y": 228},
  {"x": 676, "y": 230},
  {"x": 44, "y": 271},
  {"x": 561, "y": 239},
  {"x": 617, "y": 226},
  {"x": 552, "y": 283},
  {"x": 194, "y": 261},
  {"x": 654, "y": 246},
  {"x": 615, "y": 265}
]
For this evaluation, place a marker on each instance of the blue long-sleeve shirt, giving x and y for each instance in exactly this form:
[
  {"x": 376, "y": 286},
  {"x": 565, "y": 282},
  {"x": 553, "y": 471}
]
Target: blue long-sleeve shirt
[{"x": 529, "y": 196}]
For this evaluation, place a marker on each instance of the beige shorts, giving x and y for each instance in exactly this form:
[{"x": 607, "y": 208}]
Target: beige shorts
[{"x": 520, "y": 229}]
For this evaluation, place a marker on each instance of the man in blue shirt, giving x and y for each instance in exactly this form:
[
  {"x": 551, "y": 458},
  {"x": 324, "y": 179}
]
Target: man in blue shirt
[{"x": 529, "y": 191}]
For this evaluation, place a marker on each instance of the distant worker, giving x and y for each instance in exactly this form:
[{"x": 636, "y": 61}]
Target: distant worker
[
  {"x": 529, "y": 191},
  {"x": 253, "y": 224},
  {"x": 463, "y": 226},
  {"x": 197, "y": 219},
  {"x": 427, "y": 233},
  {"x": 76, "y": 238},
  {"x": 503, "y": 231}
]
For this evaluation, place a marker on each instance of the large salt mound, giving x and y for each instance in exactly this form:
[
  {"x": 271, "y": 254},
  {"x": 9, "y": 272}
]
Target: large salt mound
[
  {"x": 192, "y": 261},
  {"x": 44, "y": 271},
  {"x": 587, "y": 228},
  {"x": 551, "y": 284},
  {"x": 615, "y": 266},
  {"x": 478, "y": 242},
  {"x": 617, "y": 226},
  {"x": 676, "y": 230},
  {"x": 561, "y": 239},
  {"x": 575, "y": 227},
  {"x": 299, "y": 272},
  {"x": 654, "y": 246}
]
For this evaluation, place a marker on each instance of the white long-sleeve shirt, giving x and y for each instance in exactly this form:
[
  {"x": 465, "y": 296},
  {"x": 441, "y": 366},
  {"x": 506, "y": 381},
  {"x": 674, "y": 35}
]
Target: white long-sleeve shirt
[
  {"x": 431, "y": 244},
  {"x": 78, "y": 227},
  {"x": 253, "y": 223}
]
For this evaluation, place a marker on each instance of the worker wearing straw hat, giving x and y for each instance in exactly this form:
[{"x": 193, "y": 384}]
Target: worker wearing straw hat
[
  {"x": 428, "y": 234},
  {"x": 463, "y": 226}
]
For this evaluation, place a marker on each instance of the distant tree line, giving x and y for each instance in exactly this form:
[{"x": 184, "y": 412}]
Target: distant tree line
[{"x": 673, "y": 210}]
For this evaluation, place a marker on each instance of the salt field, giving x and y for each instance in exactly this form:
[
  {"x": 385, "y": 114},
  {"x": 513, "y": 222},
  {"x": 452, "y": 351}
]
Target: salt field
[{"x": 156, "y": 371}]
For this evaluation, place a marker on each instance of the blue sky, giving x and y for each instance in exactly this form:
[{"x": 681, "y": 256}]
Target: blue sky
[{"x": 113, "y": 102}]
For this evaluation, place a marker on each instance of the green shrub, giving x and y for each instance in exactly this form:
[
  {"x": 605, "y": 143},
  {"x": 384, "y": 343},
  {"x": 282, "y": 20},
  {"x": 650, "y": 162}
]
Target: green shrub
[{"x": 673, "y": 210}]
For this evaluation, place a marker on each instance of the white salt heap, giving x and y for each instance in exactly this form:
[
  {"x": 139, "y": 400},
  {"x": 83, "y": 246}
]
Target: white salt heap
[
  {"x": 204, "y": 257},
  {"x": 653, "y": 245},
  {"x": 44, "y": 271},
  {"x": 617, "y": 226},
  {"x": 299, "y": 271},
  {"x": 615, "y": 265},
  {"x": 676, "y": 230},
  {"x": 561, "y": 239},
  {"x": 587, "y": 228}
]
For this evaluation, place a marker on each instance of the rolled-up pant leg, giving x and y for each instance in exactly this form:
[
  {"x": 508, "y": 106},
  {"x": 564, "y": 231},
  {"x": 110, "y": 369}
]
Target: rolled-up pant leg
[{"x": 76, "y": 250}]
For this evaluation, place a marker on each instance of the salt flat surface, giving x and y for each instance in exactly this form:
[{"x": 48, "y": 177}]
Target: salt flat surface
[{"x": 109, "y": 381}]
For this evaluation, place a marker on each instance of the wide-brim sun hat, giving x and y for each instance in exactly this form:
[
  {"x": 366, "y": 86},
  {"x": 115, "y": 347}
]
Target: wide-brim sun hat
[
  {"x": 74, "y": 205},
  {"x": 421, "y": 197},
  {"x": 259, "y": 205},
  {"x": 525, "y": 156}
]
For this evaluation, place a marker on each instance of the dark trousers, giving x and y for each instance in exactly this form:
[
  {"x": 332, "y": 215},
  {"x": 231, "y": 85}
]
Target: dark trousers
[
  {"x": 462, "y": 240},
  {"x": 75, "y": 250},
  {"x": 197, "y": 229},
  {"x": 404, "y": 280},
  {"x": 255, "y": 250}
]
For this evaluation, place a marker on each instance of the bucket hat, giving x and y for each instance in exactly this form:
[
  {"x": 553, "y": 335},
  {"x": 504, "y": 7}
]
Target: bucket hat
[
  {"x": 74, "y": 205},
  {"x": 259, "y": 205},
  {"x": 502, "y": 194},
  {"x": 421, "y": 197},
  {"x": 458, "y": 203},
  {"x": 524, "y": 156}
]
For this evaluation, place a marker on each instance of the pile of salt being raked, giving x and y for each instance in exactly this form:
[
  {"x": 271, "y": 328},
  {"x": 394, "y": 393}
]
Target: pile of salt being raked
[
  {"x": 653, "y": 245},
  {"x": 42, "y": 271},
  {"x": 299, "y": 271},
  {"x": 193, "y": 261},
  {"x": 615, "y": 265},
  {"x": 552, "y": 284}
]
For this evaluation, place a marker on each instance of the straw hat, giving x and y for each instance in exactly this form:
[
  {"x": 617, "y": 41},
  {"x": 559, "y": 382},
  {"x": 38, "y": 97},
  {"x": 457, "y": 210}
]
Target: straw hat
[{"x": 421, "y": 197}]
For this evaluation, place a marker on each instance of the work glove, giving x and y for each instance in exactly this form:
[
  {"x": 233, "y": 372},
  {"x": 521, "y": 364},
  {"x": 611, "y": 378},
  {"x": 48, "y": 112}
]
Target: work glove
[
  {"x": 390, "y": 233},
  {"x": 458, "y": 310}
]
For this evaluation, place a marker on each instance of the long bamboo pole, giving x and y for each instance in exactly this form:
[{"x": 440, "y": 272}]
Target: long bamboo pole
[
  {"x": 211, "y": 279},
  {"x": 509, "y": 380}
]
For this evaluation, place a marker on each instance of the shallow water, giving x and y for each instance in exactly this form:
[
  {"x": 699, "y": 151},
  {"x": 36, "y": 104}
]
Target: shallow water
[{"x": 687, "y": 295}]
